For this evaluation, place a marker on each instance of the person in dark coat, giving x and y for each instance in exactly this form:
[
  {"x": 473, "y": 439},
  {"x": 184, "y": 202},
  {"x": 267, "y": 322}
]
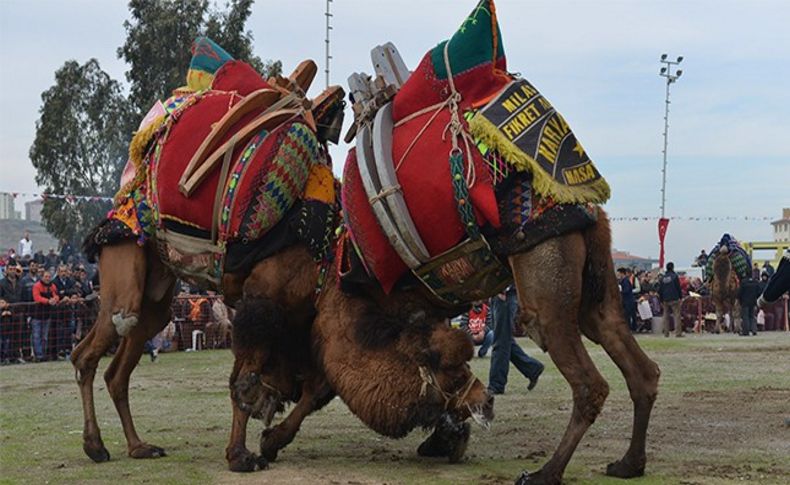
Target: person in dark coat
[
  {"x": 748, "y": 293},
  {"x": 670, "y": 294},
  {"x": 11, "y": 316},
  {"x": 627, "y": 297}
]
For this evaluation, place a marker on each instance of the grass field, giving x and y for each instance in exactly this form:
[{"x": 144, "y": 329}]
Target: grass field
[{"x": 721, "y": 417}]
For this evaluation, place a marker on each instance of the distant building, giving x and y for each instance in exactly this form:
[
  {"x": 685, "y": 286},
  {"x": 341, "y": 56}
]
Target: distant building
[
  {"x": 33, "y": 210},
  {"x": 628, "y": 260},
  {"x": 782, "y": 227},
  {"x": 7, "y": 206}
]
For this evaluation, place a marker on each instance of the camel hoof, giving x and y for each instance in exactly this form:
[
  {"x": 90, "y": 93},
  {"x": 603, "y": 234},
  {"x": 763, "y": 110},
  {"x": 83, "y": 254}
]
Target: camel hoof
[
  {"x": 98, "y": 454},
  {"x": 458, "y": 449},
  {"x": 246, "y": 461},
  {"x": 269, "y": 448},
  {"x": 147, "y": 451},
  {"x": 537, "y": 478},
  {"x": 624, "y": 469}
]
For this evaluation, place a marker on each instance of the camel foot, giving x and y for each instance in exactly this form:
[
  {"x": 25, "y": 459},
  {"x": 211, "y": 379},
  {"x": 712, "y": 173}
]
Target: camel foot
[
  {"x": 537, "y": 478},
  {"x": 269, "y": 444},
  {"x": 147, "y": 451},
  {"x": 243, "y": 461},
  {"x": 448, "y": 439},
  {"x": 625, "y": 469},
  {"x": 99, "y": 453}
]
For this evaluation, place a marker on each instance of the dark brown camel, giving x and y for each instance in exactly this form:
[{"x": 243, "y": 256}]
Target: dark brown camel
[
  {"x": 724, "y": 291},
  {"x": 567, "y": 288}
]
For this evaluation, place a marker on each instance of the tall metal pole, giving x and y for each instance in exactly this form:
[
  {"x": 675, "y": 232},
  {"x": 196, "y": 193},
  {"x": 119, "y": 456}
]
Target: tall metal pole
[
  {"x": 326, "y": 40},
  {"x": 671, "y": 78}
]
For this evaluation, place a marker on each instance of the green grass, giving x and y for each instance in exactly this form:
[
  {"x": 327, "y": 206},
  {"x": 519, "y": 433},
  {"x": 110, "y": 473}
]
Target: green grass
[{"x": 720, "y": 418}]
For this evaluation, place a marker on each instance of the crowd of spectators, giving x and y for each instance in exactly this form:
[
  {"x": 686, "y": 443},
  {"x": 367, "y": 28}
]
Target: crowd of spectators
[{"x": 48, "y": 302}]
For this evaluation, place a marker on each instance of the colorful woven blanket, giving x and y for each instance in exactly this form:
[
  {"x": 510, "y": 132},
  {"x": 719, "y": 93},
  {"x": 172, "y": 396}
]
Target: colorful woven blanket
[
  {"x": 262, "y": 178},
  {"x": 741, "y": 262}
]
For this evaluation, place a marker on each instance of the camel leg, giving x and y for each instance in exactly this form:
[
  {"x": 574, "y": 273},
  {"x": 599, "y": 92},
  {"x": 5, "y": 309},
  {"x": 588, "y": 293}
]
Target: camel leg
[
  {"x": 122, "y": 268},
  {"x": 316, "y": 394},
  {"x": 239, "y": 458},
  {"x": 153, "y": 318},
  {"x": 604, "y": 324},
  {"x": 549, "y": 282}
]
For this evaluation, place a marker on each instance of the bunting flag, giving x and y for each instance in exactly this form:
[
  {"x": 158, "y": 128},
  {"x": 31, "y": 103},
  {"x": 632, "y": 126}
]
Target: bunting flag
[
  {"x": 693, "y": 218},
  {"x": 70, "y": 198}
]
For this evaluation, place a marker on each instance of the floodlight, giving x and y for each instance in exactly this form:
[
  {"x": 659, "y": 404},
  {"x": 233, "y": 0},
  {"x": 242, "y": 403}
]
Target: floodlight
[
  {"x": 679, "y": 73},
  {"x": 663, "y": 70},
  {"x": 663, "y": 57},
  {"x": 680, "y": 59}
]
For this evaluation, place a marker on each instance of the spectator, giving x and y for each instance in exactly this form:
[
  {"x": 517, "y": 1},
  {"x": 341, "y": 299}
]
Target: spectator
[
  {"x": 219, "y": 328},
  {"x": 10, "y": 321},
  {"x": 38, "y": 257},
  {"x": 748, "y": 293},
  {"x": 66, "y": 250},
  {"x": 28, "y": 281},
  {"x": 45, "y": 295},
  {"x": 65, "y": 319},
  {"x": 768, "y": 269},
  {"x": 506, "y": 350},
  {"x": 477, "y": 323},
  {"x": 755, "y": 272},
  {"x": 11, "y": 257},
  {"x": 670, "y": 294},
  {"x": 702, "y": 260},
  {"x": 25, "y": 246},
  {"x": 627, "y": 298},
  {"x": 51, "y": 260}
]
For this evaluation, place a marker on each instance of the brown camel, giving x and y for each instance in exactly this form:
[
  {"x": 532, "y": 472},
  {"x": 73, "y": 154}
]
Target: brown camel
[
  {"x": 724, "y": 291},
  {"x": 567, "y": 288},
  {"x": 274, "y": 365}
]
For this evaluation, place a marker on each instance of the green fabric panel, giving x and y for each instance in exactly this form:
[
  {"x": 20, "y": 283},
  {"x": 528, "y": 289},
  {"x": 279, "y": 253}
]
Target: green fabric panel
[
  {"x": 208, "y": 56},
  {"x": 471, "y": 45}
]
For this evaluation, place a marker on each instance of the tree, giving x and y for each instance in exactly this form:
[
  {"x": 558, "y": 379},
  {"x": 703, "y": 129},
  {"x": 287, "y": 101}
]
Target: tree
[
  {"x": 159, "y": 36},
  {"x": 80, "y": 146}
]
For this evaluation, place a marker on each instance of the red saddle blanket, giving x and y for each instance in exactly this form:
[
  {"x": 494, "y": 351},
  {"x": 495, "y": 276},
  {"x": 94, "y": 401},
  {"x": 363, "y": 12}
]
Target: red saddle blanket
[{"x": 267, "y": 173}]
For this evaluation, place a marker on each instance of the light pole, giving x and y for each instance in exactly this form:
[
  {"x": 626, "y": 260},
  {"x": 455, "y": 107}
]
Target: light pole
[{"x": 671, "y": 78}]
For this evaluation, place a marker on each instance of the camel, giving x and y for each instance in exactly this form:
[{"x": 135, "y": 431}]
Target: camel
[
  {"x": 724, "y": 291},
  {"x": 274, "y": 364},
  {"x": 567, "y": 288}
]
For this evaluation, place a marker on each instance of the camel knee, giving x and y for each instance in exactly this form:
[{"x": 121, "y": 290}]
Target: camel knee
[
  {"x": 124, "y": 322},
  {"x": 590, "y": 399}
]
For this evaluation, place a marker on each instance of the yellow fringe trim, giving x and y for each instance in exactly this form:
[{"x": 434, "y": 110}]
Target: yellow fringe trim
[
  {"x": 137, "y": 150},
  {"x": 596, "y": 192}
]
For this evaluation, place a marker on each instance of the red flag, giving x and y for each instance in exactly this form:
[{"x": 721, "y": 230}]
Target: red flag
[{"x": 663, "y": 223}]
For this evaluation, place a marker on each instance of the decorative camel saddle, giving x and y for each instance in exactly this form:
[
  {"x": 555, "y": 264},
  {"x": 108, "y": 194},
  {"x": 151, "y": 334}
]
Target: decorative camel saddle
[
  {"x": 454, "y": 162},
  {"x": 739, "y": 258},
  {"x": 224, "y": 161}
]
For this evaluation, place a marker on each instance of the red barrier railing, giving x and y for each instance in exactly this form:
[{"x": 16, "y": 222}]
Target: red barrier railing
[{"x": 33, "y": 332}]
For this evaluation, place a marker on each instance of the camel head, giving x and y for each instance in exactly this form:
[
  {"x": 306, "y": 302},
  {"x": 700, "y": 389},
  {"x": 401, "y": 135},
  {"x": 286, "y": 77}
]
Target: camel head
[{"x": 462, "y": 393}]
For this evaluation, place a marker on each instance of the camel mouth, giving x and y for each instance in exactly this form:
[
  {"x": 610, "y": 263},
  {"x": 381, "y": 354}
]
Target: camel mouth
[{"x": 483, "y": 415}]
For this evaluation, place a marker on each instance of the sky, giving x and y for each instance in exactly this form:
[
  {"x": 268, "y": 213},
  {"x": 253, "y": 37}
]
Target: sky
[{"x": 596, "y": 61}]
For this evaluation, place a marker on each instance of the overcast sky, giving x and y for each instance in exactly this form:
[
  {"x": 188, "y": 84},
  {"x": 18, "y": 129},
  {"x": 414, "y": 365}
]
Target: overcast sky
[{"x": 596, "y": 61}]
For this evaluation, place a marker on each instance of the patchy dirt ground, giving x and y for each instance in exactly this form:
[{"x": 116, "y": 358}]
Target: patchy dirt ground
[{"x": 723, "y": 416}]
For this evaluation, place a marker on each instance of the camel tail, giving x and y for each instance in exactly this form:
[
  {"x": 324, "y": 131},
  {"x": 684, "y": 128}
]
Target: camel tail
[{"x": 598, "y": 272}]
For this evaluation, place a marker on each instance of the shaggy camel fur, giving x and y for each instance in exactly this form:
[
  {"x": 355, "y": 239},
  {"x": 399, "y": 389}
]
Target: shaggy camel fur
[
  {"x": 567, "y": 288},
  {"x": 724, "y": 291},
  {"x": 422, "y": 376}
]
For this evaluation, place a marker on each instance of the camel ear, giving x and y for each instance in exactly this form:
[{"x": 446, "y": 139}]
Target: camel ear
[{"x": 454, "y": 346}]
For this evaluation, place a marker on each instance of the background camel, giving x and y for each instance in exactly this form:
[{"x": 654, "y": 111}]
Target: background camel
[{"x": 724, "y": 291}]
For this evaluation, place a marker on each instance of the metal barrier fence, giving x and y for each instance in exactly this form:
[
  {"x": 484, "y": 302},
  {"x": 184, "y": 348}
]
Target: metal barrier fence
[{"x": 34, "y": 332}]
